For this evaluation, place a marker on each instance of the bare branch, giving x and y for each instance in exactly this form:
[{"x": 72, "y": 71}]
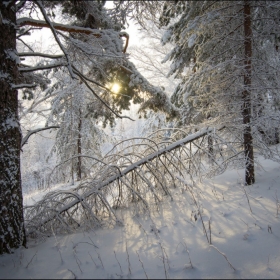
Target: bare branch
[
  {"x": 26, "y": 32},
  {"x": 26, "y": 44}
]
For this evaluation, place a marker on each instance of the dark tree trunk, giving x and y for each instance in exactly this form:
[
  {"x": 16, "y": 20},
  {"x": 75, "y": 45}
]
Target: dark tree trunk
[
  {"x": 276, "y": 135},
  {"x": 12, "y": 233},
  {"x": 79, "y": 144},
  {"x": 246, "y": 111}
]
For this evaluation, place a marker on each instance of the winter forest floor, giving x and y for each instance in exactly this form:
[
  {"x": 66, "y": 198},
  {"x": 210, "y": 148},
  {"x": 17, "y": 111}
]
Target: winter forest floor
[{"x": 170, "y": 241}]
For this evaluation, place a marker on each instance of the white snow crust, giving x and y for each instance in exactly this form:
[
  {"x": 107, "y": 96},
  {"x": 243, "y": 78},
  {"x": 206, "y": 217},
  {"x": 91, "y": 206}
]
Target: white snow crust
[{"x": 170, "y": 242}]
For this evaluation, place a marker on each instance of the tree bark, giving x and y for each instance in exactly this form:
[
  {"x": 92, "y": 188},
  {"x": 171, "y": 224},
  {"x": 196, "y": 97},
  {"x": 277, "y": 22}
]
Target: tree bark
[
  {"x": 246, "y": 110},
  {"x": 12, "y": 232}
]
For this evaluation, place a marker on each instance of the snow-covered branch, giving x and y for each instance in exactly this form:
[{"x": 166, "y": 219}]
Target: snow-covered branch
[
  {"x": 26, "y": 137},
  {"x": 62, "y": 27},
  {"x": 68, "y": 28},
  {"x": 41, "y": 55},
  {"x": 20, "y": 86},
  {"x": 41, "y": 67},
  {"x": 49, "y": 23}
]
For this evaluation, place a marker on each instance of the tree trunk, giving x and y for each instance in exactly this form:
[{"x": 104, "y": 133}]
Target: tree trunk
[
  {"x": 276, "y": 135},
  {"x": 246, "y": 111},
  {"x": 12, "y": 233},
  {"x": 79, "y": 144}
]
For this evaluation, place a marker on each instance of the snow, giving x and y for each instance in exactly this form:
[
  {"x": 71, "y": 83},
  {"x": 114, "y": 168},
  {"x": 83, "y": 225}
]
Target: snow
[
  {"x": 13, "y": 55},
  {"x": 191, "y": 40},
  {"x": 166, "y": 36},
  {"x": 169, "y": 242},
  {"x": 10, "y": 123}
]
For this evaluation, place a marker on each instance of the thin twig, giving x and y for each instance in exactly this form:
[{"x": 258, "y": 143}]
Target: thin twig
[
  {"x": 75, "y": 277},
  {"x": 209, "y": 224},
  {"x": 223, "y": 256},
  {"x": 142, "y": 265},
  {"x": 129, "y": 269},
  {"x": 247, "y": 199},
  {"x": 118, "y": 262},
  {"x": 92, "y": 260},
  {"x": 100, "y": 260},
  {"x": 31, "y": 259}
]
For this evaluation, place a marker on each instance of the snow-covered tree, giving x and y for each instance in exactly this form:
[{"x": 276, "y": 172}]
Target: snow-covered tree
[
  {"x": 79, "y": 132},
  {"x": 226, "y": 54},
  {"x": 86, "y": 32}
]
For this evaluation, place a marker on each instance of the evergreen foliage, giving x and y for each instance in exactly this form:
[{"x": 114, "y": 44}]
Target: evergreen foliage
[{"x": 227, "y": 57}]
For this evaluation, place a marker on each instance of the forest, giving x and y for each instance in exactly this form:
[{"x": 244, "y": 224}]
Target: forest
[{"x": 139, "y": 139}]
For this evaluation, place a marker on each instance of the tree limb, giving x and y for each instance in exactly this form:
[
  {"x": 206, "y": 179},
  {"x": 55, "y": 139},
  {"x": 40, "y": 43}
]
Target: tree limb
[
  {"x": 20, "y": 86},
  {"x": 40, "y": 54},
  {"x": 49, "y": 23},
  {"x": 25, "y": 44},
  {"x": 26, "y": 137},
  {"x": 41, "y": 67},
  {"x": 68, "y": 28}
]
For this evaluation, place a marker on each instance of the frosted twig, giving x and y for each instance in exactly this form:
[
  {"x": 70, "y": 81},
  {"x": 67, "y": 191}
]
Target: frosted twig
[
  {"x": 223, "y": 256},
  {"x": 75, "y": 277},
  {"x": 92, "y": 242},
  {"x": 77, "y": 261},
  {"x": 164, "y": 260},
  {"x": 142, "y": 265},
  {"x": 86, "y": 243},
  {"x": 190, "y": 259},
  {"x": 31, "y": 259},
  {"x": 92, "y": 260},
  {"x": 118, "y": 262},
  {"x": 209, "y": 224},
  {"x": 129, "y": 269},
  {"x": 100, "y": 260},
  {"x": 247, "y": 198}
]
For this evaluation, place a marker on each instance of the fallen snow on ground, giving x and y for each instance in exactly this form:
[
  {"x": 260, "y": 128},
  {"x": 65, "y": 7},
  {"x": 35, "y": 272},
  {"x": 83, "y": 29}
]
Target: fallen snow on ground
[{"x": 170, "y": 242}]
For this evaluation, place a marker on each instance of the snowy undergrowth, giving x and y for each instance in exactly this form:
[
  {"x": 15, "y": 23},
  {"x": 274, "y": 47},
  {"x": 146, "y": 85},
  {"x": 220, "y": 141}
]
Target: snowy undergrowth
[{"x": 170, "y": 242}]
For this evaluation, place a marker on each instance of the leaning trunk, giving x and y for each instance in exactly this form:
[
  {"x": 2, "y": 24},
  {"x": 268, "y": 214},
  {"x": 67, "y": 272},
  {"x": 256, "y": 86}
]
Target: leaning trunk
[
  {"x": 246, "y": 111},
  {"x": 12, "y": 233}
]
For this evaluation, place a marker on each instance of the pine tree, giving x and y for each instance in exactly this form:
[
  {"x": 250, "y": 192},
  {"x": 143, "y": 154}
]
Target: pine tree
[
  {"x": 12, "y": 234},
  {"x": 229, "y": 54}
]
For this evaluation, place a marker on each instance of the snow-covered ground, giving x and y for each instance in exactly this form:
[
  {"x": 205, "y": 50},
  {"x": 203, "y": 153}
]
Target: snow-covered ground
[{"x": 170, "y": 241}]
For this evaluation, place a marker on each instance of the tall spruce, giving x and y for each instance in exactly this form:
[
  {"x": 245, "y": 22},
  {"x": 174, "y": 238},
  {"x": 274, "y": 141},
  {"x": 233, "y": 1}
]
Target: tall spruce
[
  {"x": 226, "y": 54},
  {"x": 12, "y": 234}
]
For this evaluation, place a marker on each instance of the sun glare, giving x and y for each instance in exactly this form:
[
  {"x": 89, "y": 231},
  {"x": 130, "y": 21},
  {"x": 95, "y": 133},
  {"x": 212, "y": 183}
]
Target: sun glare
[{"x": 115, "y": 88}]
